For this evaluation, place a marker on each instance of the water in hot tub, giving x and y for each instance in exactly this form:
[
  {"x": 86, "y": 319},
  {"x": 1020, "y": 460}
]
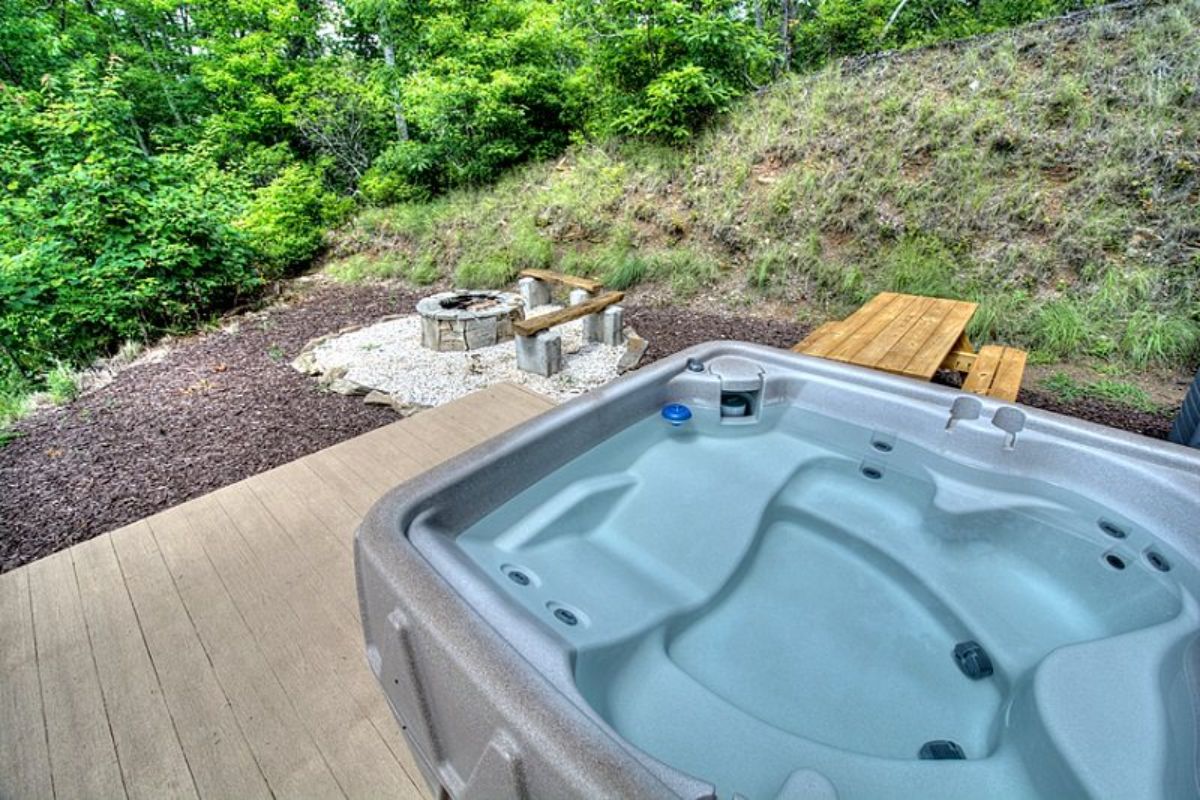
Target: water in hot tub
[{"x": 775, "y": 608}]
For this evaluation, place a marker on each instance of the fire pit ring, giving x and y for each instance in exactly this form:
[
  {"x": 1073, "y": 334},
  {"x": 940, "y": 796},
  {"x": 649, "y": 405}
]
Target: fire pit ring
[{"x": 468, "y": 319}]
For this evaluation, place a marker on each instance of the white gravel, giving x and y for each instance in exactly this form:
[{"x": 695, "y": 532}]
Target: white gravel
[{"x": 388, "y": 356}]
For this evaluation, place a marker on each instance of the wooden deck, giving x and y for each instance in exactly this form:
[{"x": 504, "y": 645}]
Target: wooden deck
[{"x": 214, "y": 649}]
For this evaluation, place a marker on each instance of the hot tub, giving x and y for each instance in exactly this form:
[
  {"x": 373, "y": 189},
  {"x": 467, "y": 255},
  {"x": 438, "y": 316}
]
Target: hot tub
[{"x": 744, "y": 572}]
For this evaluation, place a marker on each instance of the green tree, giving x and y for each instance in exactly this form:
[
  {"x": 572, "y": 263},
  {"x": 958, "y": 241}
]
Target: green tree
[
  {"x": 101, "y": 241},
  {"x": 662, "y": 68},
  {"x": 491, "y": 89}
]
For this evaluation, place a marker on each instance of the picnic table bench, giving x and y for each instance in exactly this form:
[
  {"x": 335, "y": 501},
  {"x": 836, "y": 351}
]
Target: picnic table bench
[{"x": 916, "y": 336}]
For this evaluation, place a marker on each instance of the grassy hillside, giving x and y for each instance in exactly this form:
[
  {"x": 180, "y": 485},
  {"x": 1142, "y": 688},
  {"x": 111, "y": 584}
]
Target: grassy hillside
[{"x": 1052, "y": 173}]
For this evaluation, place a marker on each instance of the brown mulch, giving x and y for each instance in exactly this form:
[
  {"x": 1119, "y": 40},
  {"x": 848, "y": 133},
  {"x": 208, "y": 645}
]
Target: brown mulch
[
  {"x": 1144, "y": 422},
  {"x": 224, "y": 405},
  {"x": 669, "y": 330},
  {"x": 219, "y": 408}
]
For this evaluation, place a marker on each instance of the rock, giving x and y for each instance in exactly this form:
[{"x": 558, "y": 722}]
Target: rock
[
  {"x": 635, "y": 348},
  {"x": 335, "y": 381},
  {"x": 306, "y": 364},
  {"x": 401, "y": 407},
  {"x": 378, "y": 398},
  {"x": 406, "y": 410},
  {"x": 350, "y": 388}
]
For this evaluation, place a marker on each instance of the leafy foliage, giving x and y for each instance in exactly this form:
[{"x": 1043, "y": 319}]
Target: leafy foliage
[
  {"x": 289, "y": 216},
  {"x": 491, "y": 91},
  {"x": 161, "y": 160},
  {"x": 831, "y": 28},
  {"x": 661, "y": 68},
  {"x": 101, "y": 241}
]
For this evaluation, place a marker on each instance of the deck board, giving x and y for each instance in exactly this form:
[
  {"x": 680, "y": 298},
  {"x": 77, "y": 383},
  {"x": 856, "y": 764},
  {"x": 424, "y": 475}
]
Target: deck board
[
  {"x": 214, "y": 746},
  {"x": 214, "y": 649},
  {"x": 24, "y": 755},
  {"x": 147, "y": 743},
  {"x": 83, "y": 758}
]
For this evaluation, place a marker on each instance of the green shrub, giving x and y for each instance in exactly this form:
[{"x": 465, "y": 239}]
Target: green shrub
[
  {"x": 528, "y": 249},
  {"x": 688, "y": 270},
  {"x": 14, "y": 395},
  {"x": 921, "y": 265},
  {"x": 662, "y": 68},
  {"x": 424, "y": 271},
  {"x": 769, "y": 265},
  {"x": 405, "y": 172},
  {"x": 833, "y": 28},
  {"x": 287, "y": 219},
  {"x": 103, "y": 242},
  {"x": 624, "y": 269},
  {"x": 675, "y": 104},
  {"x": 491, "y": 271},
  {"x": 1000, "y": 317},
  {"x": 490, "y": 91}
]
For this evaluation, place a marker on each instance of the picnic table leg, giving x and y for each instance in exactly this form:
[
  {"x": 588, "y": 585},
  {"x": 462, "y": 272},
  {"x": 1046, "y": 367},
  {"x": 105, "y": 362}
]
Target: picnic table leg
[{"x": 961, "y": 356}]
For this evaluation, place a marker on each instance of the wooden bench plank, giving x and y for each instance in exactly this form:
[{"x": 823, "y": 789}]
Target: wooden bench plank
[
  {"x": 997, "y": 372},
  {"x": 534, "y": 325},
  {"x": 983, "y": 371},
  {"x": 925, "y": 362},
  {"x": 1007, "y": 382},
  {"x": 834, "y": 337},
  {"x": 576, "y": 281}
]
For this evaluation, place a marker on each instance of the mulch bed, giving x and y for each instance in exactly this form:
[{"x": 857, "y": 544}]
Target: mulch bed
[
  {"x": 225, "y": 405},
  {"x": 219, "y": 408},
  {"x": 1146, "y": 423}
]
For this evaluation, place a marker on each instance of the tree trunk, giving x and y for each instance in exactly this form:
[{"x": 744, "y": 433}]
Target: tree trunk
[
  {"x": 389, "y": 58},
  {"x": 141, "y": 140},
  {"x": 892, "y": 19},
  {"x": 163, "y": 81},
  {"x": 785, "y": 35}
]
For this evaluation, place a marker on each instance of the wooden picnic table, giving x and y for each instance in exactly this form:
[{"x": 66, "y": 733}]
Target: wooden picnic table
[{"x": 916, "y": 336}]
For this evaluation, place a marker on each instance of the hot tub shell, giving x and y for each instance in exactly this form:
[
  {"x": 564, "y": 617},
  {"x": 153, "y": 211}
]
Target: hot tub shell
[{"x": 485, "y": 691}]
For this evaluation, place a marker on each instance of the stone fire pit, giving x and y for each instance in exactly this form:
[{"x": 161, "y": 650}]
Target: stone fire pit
[{"x": 468, "y": 319}]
